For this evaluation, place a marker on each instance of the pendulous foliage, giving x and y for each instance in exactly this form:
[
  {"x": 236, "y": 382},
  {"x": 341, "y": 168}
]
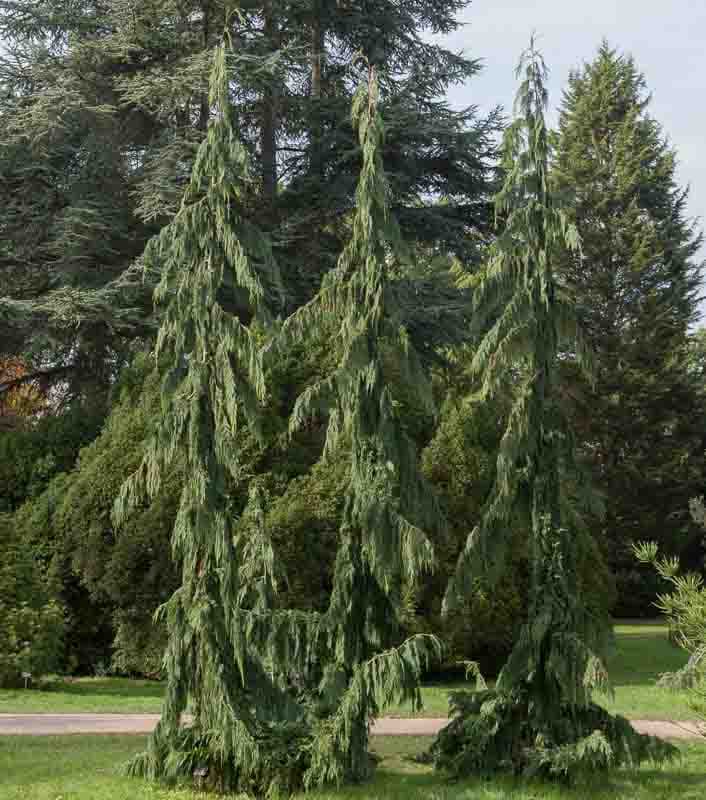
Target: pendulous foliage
[
  {"x": 388, "y": 507},
  {"x": 279, "y": 698},
  {"x": 540, "y": 717},
  {"x": 212, "y": 385}
]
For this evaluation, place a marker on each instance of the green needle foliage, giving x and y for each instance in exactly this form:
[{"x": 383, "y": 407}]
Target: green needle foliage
[
  {"x": 684, "y": 606},
  {"x": 636, "y": 292},
  {"x": 280, "y": 699},
  {"x": 388, "y": 507},
  {"x": 540, "y": 718},
  {"x": 213, "y": 385}
]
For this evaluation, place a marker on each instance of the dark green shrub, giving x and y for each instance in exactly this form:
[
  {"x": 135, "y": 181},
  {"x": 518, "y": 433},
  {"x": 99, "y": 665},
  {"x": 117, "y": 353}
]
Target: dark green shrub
[
  {"x": 31, "y": 457},
  {"x": 106, "y": 578},
  {"x": 127, "y": 572},
  {"x": 459, "y": 462}
]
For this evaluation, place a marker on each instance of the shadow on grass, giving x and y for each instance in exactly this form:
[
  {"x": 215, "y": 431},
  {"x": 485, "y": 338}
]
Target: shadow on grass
[
  {"x": 88, "y": 768},
  {"x": 670, "y": 777}
]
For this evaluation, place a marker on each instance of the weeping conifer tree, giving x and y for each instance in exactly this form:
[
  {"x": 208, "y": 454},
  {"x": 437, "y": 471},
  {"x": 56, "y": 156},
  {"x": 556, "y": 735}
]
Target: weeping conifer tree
[
  {"x": 232, "y": 653},
  {"x": 226, "y": 645},
  {"x": 540, "y": 718},
  {"x": 383, "y": 543}
]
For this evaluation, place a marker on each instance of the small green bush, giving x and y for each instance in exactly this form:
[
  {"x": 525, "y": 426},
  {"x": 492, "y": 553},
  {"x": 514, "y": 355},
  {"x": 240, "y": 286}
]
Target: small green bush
[
  {"x": 459, "y": 463},
  {"x": 31, "y": 621},
  {"x": 30, "y": 640}
]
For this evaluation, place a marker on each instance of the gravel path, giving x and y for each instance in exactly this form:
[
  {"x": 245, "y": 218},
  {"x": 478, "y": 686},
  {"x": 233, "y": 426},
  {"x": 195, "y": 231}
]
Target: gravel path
[{"x": 59, "y": 724}]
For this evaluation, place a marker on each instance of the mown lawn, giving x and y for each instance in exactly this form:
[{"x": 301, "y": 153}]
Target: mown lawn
[
  {"x": 85, "y": 695},
  {"x": 642, "y": 652},
  {"x": 88, "y": 768}
]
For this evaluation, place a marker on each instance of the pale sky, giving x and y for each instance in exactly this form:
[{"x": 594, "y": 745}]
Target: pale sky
[{"x": 667, "y": 38}]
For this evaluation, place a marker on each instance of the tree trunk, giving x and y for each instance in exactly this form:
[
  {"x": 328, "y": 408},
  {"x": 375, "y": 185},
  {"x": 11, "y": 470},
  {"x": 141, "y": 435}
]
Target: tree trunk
[
  {"x": 204, "y": 108},
  {"x": 317, "y": 53},
  {"x": 269, "y": 115},
  {"x": 317, "y": 58}
]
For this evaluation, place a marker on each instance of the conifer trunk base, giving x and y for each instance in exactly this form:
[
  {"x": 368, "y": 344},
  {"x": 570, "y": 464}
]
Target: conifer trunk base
[{"x": 498, "y": 733}]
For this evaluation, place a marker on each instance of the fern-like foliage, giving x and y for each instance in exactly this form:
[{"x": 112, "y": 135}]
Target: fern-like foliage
[{"x": 540, "y": 717}]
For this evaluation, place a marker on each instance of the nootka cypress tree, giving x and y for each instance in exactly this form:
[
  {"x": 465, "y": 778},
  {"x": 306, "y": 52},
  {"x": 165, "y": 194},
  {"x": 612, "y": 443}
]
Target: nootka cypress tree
[
  {"x": 280, "y": 699},
  {"x": 219, "y": 660},
  {"x": 540, "y": 717},
  {"x": 388, "y": 506},
  {"x": 636, "y": 291}
]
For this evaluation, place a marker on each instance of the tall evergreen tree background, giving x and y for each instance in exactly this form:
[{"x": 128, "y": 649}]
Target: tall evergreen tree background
[
  {"x": 636, "y": 285},
  {"x": 105, "y": 105}
]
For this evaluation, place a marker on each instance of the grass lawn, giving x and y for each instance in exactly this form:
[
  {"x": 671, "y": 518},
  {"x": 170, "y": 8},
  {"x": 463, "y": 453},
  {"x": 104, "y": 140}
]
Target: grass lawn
[
  {"x": 88, "y": 768},
  {"x": 85, "y": 695},
  {"x": 642, "y": 652}
]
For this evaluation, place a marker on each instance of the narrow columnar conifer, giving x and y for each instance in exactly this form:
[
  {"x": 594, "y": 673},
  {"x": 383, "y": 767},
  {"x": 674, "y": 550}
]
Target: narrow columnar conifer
[
  {"x": 224, "y": 652},
  {"x": 540, "y": 717},
  {"x": 388, "y": 507},
  {"x": 280, "y": 699}
]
